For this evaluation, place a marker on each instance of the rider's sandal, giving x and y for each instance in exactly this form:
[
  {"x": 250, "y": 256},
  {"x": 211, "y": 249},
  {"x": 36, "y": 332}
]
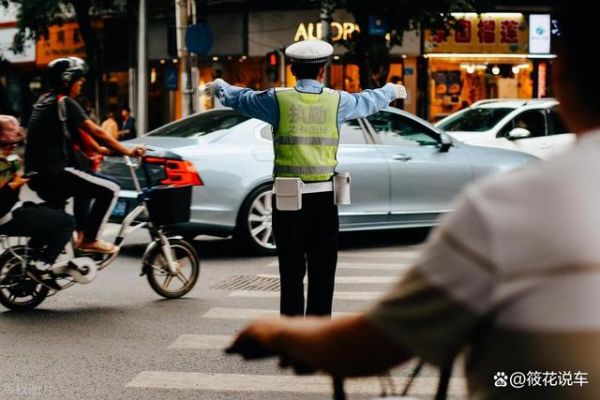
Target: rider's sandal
[{"x": 99, "y": 246}]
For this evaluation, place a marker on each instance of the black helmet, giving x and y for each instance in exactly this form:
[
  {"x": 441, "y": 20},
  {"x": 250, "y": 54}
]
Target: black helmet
[{"x": 63, "y": 72}]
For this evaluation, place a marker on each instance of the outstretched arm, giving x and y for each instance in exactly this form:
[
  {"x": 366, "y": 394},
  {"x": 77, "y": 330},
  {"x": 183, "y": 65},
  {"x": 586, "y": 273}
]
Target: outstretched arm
[
  {"x": 369, "y": 101},
  {"x": 256, "y": 104},
  {"x": 349, "y": 346}
]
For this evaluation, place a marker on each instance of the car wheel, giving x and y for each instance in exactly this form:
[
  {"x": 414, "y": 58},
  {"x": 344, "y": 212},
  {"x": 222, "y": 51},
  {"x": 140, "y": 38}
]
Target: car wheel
[{"x": 255, "y": 222}]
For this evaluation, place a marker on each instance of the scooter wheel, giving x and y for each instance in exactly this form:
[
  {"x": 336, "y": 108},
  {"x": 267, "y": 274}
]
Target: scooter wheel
[
  {"x": 18, "y": 292},
  {"x": 161, "y": 280}
]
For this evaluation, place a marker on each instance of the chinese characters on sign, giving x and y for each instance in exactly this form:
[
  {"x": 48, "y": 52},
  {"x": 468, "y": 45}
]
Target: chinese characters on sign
[
  {"x": 62, "y": 41},
  {"x": 487, "y": 33}
]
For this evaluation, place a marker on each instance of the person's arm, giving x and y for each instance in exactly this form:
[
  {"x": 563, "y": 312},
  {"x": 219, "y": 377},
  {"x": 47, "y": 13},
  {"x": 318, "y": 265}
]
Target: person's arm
[
  {"x": 368, "y": 102},
  {"x": 256, "y": 104},
  {"x": 93, "y": 129},
  {"x": 324, "y": 344},
  {"x": 17, "y": 182},
  {"x": 90, "y": 143},
  {"x": 78, "y": 119}
]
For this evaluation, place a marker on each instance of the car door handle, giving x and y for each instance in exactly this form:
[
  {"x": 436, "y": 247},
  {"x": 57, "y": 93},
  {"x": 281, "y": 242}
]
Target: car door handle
[{"x": 401, "y": 157}]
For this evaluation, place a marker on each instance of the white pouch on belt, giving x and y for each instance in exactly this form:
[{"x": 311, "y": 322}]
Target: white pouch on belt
[
  {"x": 288, "y": 194},
  {"x": 341, "y": 188}
]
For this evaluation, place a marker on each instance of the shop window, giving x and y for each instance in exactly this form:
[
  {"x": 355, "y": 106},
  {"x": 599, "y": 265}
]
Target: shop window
[
  {"x": 351, "y": 133},
  {"x": 475, "y": 120},
  {"x": 395, "y": 129}
]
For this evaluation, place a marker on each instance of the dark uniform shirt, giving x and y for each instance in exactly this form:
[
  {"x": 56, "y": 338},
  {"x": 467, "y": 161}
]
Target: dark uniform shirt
[{"x": 47, "y": 150}]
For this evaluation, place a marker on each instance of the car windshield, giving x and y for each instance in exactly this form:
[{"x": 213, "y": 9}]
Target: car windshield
[
  {"x": 474, "y": 120},
  {"x": 201, "y": 124}
]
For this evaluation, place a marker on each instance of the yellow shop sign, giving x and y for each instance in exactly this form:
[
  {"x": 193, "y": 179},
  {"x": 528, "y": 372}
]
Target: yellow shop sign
[{"x": 482, "y": 33}]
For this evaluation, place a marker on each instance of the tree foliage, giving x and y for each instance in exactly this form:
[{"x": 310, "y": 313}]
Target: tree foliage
[{"x": 34, "y": 18}]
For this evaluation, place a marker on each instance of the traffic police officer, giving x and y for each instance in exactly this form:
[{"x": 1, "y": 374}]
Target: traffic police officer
[{"x": 306, "y": 121}]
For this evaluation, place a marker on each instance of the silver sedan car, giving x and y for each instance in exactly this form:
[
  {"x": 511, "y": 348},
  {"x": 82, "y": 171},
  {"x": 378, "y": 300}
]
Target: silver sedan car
[{"x": 405, "y": 172}]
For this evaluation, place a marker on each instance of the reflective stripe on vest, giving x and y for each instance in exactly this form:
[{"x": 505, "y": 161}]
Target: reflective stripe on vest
[
  {"x": 307, "y": 137},
  {"x": 306, "y": 140},
  {"x": 282, "y": 170}
]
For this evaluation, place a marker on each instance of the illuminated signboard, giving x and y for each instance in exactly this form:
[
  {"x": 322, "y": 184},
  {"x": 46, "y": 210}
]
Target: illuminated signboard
[
  {"x": 484, "y": 33},
  {"x": 339, "y": 31},
  {"x": 62, "y": 41},
  {"x": 539, "y": 33}
]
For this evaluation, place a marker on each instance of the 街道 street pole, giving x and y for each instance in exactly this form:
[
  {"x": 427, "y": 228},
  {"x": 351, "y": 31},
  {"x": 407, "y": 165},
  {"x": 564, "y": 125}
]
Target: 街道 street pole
[
  {"x": 184, "y": 10},
  {"x": 141, "y": 97},
  {"x": 325, "y": 17}
]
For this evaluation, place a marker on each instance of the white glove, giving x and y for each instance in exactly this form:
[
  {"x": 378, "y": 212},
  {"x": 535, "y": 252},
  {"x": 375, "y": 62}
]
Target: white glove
[
  {"x": 399, "y": 90},
  {"x": 210, "y": 88}
]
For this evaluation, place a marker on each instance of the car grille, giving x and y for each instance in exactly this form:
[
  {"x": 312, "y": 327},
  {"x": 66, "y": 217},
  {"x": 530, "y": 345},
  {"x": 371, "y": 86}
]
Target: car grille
[{"x": 116, "y": 168}]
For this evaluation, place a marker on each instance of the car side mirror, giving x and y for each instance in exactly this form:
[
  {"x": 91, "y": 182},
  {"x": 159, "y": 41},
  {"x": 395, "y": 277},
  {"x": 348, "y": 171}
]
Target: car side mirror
[
  {"x": 445, "y": 143},
  {"x": 518, "y": 133}
]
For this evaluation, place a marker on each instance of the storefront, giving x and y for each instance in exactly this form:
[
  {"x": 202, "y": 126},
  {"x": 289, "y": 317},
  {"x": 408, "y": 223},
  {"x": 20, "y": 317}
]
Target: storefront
[
  {"x": 240, "y": 54},
  {"x": 490, "y": 57},
  {"x": 18, "y": 83}
]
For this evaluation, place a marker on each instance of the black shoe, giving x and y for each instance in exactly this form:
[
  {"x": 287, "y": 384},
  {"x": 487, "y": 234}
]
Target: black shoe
[{"x": 45, "y": 278}]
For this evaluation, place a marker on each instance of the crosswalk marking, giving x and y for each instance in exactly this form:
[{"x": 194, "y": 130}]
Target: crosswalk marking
[
  {"x": 248, "y": 313},
  {"x": 202, "y": 342},
  {"x": 364, "y": 296},
  {"x": 352, "y": 279},
  {"x": 392, "y": 266},
  {"x": 368, "y": 266},
  {"x": 279, "y": 383}
]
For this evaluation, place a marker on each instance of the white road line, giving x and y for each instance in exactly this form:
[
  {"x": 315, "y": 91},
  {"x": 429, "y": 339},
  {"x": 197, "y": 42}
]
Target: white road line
[
  {"x": 248, "y": 313},
  {"x": 363, "y": 296},
  {"x": 351, "y": 279},
  {"x": 202, "y": 342},
  {"x": 369, "y": 266},
  {"x": 279, "y": 383}
]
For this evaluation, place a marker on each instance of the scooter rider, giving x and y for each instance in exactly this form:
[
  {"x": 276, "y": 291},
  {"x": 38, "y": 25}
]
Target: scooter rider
[
  {"x": 306, "y": 122},
  {"x": 49, "y": 229},
  {"x": 49, "y": 151}
]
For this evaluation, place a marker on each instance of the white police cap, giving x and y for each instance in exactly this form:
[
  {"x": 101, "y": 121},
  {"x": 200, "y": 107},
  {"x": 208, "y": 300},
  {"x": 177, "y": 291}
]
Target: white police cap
[{"x": 312, "y": 51}]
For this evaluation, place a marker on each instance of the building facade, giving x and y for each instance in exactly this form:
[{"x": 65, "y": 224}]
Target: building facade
[{"x": 491, "y": 56}]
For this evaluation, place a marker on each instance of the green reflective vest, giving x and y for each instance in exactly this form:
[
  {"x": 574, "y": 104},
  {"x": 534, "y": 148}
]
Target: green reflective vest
[{"x": 307, "y": 137}]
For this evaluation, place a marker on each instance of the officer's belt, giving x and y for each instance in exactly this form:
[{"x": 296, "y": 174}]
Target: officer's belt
[{"x": 317, "y": 187}]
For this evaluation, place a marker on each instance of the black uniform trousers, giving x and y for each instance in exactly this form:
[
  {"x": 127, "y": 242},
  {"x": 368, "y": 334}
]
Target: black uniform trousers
[{"x": 307, "y": 240}]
